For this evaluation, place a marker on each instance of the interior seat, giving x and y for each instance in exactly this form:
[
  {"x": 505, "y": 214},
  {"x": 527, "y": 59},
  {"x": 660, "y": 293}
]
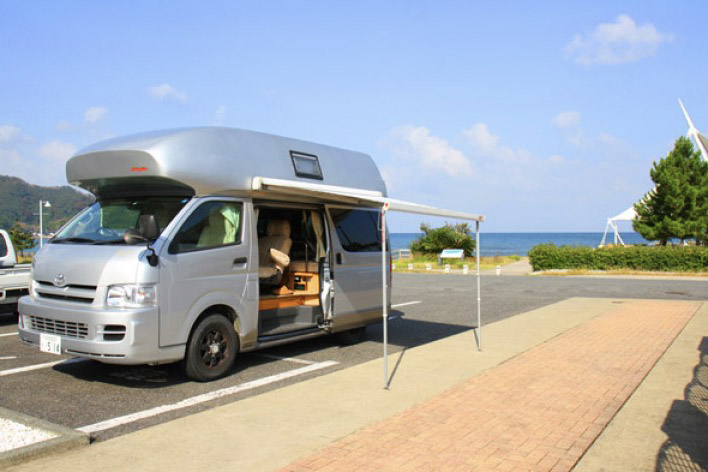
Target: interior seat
[{"x": 274, "y": 252}]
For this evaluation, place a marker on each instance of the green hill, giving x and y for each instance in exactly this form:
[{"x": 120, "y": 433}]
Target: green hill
[{"x": 19, "y": 203}]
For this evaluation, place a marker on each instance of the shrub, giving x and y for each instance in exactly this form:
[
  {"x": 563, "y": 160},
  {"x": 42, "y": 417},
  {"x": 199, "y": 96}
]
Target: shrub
[
  {"x": 434, "y": 240},
  {"x": 646, "y": 258}
]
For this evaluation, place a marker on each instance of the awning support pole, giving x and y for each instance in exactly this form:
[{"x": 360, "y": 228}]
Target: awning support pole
[
  {"x": 479, "y": 291},
  {"x": 384, "y": 284}
]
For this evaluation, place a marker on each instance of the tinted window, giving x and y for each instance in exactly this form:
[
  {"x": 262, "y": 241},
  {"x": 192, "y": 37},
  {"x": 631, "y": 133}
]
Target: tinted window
[
  {"x": 358, "y": 230},
  {"x": 212, "y": 224},
  {"x": 306, "y": 165},
  {"x": 3, "y": 247}
]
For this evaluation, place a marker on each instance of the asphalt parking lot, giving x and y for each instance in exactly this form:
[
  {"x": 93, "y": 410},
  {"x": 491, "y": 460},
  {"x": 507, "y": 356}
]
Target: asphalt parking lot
[{"x": 107, "y": 401}]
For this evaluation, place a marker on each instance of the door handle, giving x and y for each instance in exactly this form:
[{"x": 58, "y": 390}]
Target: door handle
[
  {"x": 338, "y": 257},
  {"x": 240, "y": 260}
]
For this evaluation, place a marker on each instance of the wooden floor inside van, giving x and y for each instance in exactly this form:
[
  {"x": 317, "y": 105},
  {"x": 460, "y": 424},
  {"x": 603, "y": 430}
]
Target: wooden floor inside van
[{"x": 302, "y": 288}]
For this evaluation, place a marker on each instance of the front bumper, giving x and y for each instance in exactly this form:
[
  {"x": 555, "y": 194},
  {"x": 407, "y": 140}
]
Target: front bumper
[{"x": 111, "y": 336}]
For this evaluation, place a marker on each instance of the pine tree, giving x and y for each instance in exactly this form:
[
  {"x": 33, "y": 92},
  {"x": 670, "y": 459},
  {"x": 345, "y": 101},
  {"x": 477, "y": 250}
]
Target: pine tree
[
  {"x": 677, "y": 207},
  {"x": 21, "y": 239}
]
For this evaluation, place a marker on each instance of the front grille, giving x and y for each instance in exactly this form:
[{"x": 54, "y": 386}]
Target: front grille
[
  {"x": 74, "y": 286},
  {"x": 64, "y": 328},
  {"x": 70, "y": 293},
  {"x": 66, "y": 298}
]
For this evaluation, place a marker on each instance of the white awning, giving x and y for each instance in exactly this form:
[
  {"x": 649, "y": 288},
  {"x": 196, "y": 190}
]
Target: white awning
[
  {"x": 355, "y": 196},
  {"x": 384, "y": 204}
]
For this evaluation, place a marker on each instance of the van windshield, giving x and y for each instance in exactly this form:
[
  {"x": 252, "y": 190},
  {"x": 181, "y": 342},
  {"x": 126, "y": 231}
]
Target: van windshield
[{"x": 106, "y": 221}]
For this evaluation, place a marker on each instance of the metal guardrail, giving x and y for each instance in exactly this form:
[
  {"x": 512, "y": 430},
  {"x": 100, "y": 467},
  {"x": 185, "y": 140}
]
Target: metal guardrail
[{"x": 398, "y": 254}]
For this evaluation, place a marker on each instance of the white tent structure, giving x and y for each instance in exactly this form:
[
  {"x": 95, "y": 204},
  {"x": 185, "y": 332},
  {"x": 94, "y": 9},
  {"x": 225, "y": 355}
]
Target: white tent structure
[
  {"x": 384, "y": 204},
  {"x": 700, "y": 140},
  {"x": 629, "y": 214}
]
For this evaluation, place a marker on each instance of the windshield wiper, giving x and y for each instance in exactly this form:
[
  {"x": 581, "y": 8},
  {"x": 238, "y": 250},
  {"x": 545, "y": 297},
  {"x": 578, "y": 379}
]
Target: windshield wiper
[
  {"x": 109, "y": 241},
  {"x": 71, "y": 240}
]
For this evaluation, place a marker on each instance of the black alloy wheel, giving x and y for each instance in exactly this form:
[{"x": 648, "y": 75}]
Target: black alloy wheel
[{"x": 212, "y": 349}]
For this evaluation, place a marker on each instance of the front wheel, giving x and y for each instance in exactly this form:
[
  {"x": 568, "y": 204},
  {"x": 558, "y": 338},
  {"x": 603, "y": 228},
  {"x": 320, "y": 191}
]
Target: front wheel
[{"x": 211, "y": 350}]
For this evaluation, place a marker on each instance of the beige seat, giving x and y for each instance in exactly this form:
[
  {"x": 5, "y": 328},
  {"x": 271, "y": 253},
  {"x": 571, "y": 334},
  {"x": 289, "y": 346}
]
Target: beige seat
[
  {"x": 221, "y": 229},
  {"x": 273, "y": 252}
]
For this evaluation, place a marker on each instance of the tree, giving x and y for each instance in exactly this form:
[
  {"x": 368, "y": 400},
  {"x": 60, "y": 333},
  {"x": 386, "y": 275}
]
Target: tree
[
  {"x": 677, "y": 207},
  {"x": 435, "y": 240},
  {"x": 21, "y": 239}
]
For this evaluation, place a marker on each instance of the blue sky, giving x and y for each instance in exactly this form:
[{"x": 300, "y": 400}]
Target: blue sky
[{"x": 543, "y": 116}]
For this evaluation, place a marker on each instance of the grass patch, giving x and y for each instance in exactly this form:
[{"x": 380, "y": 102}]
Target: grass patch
[{"x": 572, "y": 272}]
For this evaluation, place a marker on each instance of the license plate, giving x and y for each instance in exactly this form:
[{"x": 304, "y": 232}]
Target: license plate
[{"x": 50, "y": 343}]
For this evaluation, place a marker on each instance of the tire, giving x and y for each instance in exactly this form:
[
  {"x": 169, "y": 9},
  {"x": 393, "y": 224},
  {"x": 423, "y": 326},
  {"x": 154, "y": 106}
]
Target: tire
[
  {"x": 211, "y": 350},
  {"x": 350, "y": 336}
]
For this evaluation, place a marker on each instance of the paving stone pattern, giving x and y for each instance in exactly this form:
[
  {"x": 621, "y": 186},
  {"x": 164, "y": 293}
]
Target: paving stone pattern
[{"x": 538, "y": 411}]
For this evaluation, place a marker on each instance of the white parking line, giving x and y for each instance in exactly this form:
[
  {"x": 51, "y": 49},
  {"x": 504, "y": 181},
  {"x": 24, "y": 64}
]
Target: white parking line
[
  {"x": 7, "y": 358},
  {"x": 28, "y": 368},
  {"x": 205, "y": 397},
  {"x": 281, "y": 358},
  {"x": 415, "y": 302},
  {"x": 8, "y": 334}
]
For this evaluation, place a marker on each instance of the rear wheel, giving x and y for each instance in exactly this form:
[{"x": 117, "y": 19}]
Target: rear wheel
[{"x": 212, "y": 348}]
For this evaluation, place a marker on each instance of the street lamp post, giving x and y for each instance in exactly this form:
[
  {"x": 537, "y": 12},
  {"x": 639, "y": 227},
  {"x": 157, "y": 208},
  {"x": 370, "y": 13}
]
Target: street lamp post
[{"x": 42, "y": 204}]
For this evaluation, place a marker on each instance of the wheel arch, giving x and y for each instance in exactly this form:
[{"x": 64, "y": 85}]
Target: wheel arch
[{"x": 220, "y": 309}]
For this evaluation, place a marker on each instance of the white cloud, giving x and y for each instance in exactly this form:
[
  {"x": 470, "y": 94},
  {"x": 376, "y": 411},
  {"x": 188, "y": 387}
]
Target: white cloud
[
  {"x": 9, "y": 133},
  {"x": 567, "y": 119},
  {"x": 481, "y": 138},
  {"x": 94, "y": 114},
  {"x": 167, "y": 92},
  {"x": 616, "y": 43},
  {"x": 486, "y": 144},
  {"x": 10, "y": 158},
  {"x": 415, "y": 145},
  {"x": 57, "y": 151}
]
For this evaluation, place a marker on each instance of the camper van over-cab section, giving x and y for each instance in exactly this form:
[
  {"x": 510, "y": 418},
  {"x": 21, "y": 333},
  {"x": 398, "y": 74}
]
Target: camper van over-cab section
[{"x": 206, "y": 242}]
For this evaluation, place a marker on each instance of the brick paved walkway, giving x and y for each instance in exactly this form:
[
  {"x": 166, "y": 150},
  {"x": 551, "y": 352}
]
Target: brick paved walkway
[{"x": 538, "y": 411}]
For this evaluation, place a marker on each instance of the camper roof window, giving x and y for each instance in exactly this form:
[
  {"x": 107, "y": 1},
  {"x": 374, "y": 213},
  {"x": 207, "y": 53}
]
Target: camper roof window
[{"x": 306, "y": 165}]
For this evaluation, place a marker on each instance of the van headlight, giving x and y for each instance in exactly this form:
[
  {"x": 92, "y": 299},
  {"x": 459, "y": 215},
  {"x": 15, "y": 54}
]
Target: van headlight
[{"x": 131, "y": 296}]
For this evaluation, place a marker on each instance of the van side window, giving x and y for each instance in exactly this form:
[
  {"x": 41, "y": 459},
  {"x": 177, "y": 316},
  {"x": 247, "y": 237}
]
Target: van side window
[
  {"x": 3, "y": 247},
  {"x": 212, "y": 224},
  {"x": 306, "y": 165},
  {"x": 358, "y": 230}
]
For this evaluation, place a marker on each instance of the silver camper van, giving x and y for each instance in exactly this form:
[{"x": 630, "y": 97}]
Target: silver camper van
[{"x": 206, "y": 242}]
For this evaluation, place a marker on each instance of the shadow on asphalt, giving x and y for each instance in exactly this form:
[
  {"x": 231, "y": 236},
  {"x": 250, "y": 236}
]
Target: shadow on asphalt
[
  {"x": 145, "y": 376},
  {"x": 8, "y": 319},
  {"x": 403, "y": 334},
  {"x": 687, "y": 423}
]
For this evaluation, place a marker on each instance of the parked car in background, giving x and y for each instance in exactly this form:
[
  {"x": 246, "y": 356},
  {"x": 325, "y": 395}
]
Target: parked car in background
[{"x": 14, "y": 277}]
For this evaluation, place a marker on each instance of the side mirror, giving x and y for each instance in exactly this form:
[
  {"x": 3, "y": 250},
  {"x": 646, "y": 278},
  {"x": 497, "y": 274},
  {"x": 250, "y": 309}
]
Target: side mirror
[{"x": 147, "y": 231}]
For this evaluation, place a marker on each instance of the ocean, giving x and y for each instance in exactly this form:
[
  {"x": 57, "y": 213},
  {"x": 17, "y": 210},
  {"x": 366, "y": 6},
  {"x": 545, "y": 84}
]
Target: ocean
[{"x": 504, "y": 244}]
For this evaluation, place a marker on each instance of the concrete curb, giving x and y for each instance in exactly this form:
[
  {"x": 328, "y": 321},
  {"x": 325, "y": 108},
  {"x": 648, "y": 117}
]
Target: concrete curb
[{"x": 66, "y": 439}]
